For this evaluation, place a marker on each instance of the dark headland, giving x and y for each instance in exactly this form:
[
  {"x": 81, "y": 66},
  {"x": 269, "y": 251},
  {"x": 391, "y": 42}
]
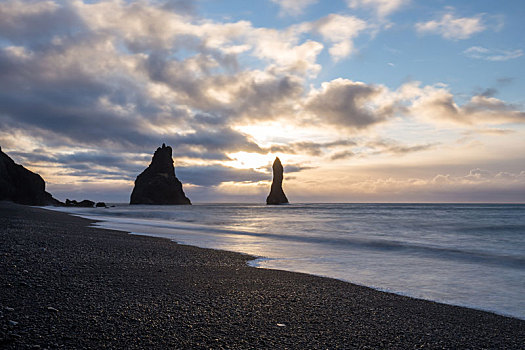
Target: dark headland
[
  {"x": 66, "y": 285},
  {"x": 20, "y": 185}
]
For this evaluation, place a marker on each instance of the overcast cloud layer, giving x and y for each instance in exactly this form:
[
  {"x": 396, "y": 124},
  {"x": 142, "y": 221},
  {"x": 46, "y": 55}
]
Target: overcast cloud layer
[{"x": 90, "y": 89}]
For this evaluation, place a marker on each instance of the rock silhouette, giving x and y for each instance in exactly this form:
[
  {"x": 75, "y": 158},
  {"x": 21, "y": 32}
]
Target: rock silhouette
[
  {"x": 158, "y": 183},
  {"x": 277, "y": 195},
  {"x": 19, "y": 185},
  {"x": 86, "y": 203}
]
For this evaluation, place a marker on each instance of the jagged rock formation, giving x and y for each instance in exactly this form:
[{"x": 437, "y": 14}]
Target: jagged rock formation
[
  {"x": 158, "y": 183},
  {"x": 277, "y": 195},
  {"x": 19, "y": 185}
]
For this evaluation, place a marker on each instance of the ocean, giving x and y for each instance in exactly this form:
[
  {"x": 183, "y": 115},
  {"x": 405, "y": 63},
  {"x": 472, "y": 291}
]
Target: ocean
[{"x": 462, "y": 254}]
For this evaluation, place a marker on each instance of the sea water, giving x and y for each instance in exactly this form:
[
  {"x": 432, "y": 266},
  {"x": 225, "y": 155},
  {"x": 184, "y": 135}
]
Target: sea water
[{"x": 463, "y": 254}]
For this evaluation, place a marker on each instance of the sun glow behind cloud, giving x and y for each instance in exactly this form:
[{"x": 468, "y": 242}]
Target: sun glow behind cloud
[{"x": 245, "y": 160}]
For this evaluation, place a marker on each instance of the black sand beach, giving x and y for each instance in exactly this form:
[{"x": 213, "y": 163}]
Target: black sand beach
[{"x": 66, "y": 285}]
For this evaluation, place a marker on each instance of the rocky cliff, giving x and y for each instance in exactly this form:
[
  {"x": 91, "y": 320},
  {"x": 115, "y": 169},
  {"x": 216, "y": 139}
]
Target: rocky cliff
[
  {"x": 277, "y": 195},
  {"x": 158, "y": 183},
  {"x": 19, "y": 185}
]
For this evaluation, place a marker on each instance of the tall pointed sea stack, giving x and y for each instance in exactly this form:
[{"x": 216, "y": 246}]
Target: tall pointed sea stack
[
  {"x": 277, "y": 195},
  {"x": 158, "y": 183}
]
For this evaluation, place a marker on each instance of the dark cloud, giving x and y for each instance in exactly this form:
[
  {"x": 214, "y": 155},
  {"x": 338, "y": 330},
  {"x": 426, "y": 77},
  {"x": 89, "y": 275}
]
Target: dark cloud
[
  {"x": 37, "y": 156},
  {"x": 33, "y": 23},
  {"x": 87, "y": 174},
  {"x": 492, "y": 109},
  {"x": 310, "y": 148},
  {"x": 184, "y": 77},
  {"x": 294, "y": 168},
  {"x": 378, "y": 147},
  {"x": 351, "y": 148},
  {"x": 222, "y": 139},
  {"x": 85, "y": 164},
  {"x": 349, "y": 104},
  {"x": 249, "y": 96},
  {"x": 342, "y": 155},
  {"x": 180, "y": 6},
  {"x": 439, "y": 105},
  {"x": 490, "y": 92},
  {"x": 268, "y": 98},
  {"x": 489, "y": 131},
  {"x": 394, "y": 147},
  {"x": 504, "y": 81},
  {"x": 72, "y": 104}
]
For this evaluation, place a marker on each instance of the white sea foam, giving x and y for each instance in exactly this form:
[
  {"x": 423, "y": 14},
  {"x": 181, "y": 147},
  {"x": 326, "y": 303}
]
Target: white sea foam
[{"x": 470, "y": 255}]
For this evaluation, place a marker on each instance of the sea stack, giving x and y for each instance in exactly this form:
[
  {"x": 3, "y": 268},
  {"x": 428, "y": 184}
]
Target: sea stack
[
  {"x": 22, "y": 186},
  {"x": 277, "y": 195},
  {"x": 158, "y": 183}
]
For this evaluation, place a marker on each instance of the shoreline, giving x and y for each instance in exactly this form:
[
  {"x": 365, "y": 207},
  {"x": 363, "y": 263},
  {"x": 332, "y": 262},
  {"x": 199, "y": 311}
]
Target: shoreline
[
  {"x": 141, "y": 228},
  {"x": 252, "y": 262},
  {"x": 115, "y": 289}
]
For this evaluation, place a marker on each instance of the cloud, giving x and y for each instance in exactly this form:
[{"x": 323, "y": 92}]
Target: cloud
[
  {"x": 293, "y": 7},
  {"x": 504, "y": 81},
  {"x": 283, "y": 49},
  {"x": 349, "y": 148},
  {"x": 342, "y": 155},
  {"x": 436, "y": 104},
  {"x": 142, "y": 26},
  {"x": 114, "y": 191},
  {"x": 214, "y": 175},
  {"x": 382, "y": 8},
  {"x": 181, "y": 6},
  {"x": 217, "y": 140},
  {"x": 358, "y": 106},
  {"x": 477, "y": 185},
  {"x": 387, "y": 146},
  {"x": 309, "y": 147},
  {"x": 339, "y": 30},
  {"x": 482, "y": 53},
  {"x": 453, "y": 28},
  {"x": 491, "y": 131},
  {"x": 120, "y": 65},
  {"x": 380, "y": 147},
  {"x": 33, "y": 22},
  {"x": 348, "y": 104},
  {"x": 295, "y": 168}
]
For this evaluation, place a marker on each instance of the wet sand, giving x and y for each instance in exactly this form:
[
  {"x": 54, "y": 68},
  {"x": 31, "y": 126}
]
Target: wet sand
[{"x": 66, "y": 285}]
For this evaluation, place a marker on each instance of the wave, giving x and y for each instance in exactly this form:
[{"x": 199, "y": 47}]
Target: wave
[
  {"x": 453, "y": 253},
  {"x": 436, "y": 252}
]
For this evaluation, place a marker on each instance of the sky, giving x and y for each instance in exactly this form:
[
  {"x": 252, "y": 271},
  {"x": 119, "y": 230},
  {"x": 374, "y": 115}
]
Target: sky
[{"x": 362, "y": 100}]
